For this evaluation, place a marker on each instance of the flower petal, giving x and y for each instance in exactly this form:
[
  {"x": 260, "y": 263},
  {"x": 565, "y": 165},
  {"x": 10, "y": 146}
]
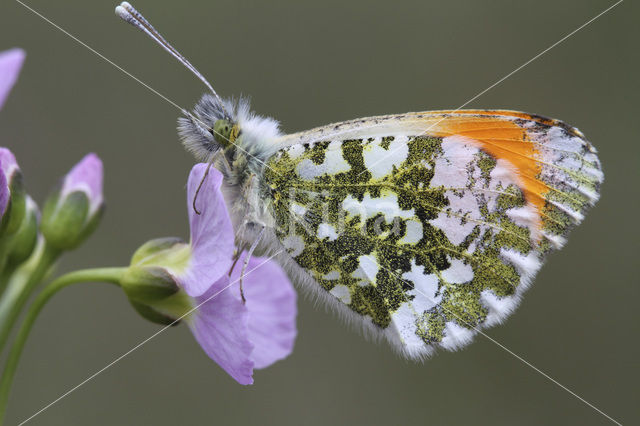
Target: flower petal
[
  {"x": 220, "y": 326},
  {"x": 86, "y": 176},
  {"x": 212, "y": 236},
  {"x": 271, "y": 301},
  {"x": 10, "y": 64},
  {"x": 4, "y": 193},
  {"x": 8, "y": 163}
]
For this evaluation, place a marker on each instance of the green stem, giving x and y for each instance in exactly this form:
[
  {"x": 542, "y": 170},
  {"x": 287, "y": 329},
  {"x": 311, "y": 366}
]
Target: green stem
[
  {"x": 21, "y": 285},
  {"x": 109, "y": 275},
  {"x": 4, "y": 276}
]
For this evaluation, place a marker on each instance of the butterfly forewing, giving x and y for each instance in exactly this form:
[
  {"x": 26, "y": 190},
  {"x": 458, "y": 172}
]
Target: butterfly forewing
[{"x": 428, "y": 226}]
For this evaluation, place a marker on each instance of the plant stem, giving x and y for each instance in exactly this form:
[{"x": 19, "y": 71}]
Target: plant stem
[
  {"x": 4, "y": 276},
  {"x": 21, "y": 285},
  {"x": 109, "y": 275}
]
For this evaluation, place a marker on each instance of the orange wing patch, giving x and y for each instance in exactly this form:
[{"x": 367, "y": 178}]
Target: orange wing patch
[
  {"x": 558, "y": 169},
  {"x": 503, "y": 139},
  {"x": 496, "y": 113}
]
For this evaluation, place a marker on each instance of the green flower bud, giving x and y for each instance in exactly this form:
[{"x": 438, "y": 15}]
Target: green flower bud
[
  {"x": 17, "y": 205},
  {"x": 13, "y": 189},
  {"x": 24, "y": 240},
  {"x": 150, "y": 286},
  {"x": 152, "y": 315},
  {"x": 73, "y": 212},
  {"x": 148, "y": 250}
]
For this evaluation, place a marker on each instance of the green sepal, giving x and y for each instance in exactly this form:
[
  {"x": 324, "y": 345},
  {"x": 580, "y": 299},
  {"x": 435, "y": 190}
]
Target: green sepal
[
  {"x": 153, "y": 247},
  {"x": 51, "y": 203},
  {"x": 152, "y": 315},
  {"x": 64, "y": 221},
  {"x": 15, "y": 211},
  {"x": 24, "y": 240},
  {"x": 92, "y": 224},
  {"x": 148, "y": 284}
]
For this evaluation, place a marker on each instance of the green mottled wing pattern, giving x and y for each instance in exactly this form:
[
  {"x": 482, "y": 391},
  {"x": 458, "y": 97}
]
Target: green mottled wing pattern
[{"x": 425, "y": 238}]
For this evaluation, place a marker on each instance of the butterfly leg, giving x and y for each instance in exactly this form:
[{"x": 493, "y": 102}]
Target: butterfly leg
[
  {"x": 236, "y": 257},
  {"x": 195, "y": 197},
  {"x": 240, "y": 246},
  {"x": 247, "y": 259},
  {"x": 224, "y": 163},
  {"x": 226, "y": 169}
]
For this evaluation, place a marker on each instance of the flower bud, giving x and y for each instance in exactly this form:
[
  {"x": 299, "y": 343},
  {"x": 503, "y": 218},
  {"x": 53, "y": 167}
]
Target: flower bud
[
  {"x": 150, "y": 285},
  {"x": 73, "y": 212},
  {"x": 11, "y": 193},
  {"x": 5, "y": 195},
  {"x": 148, "y": 250},
  {"x": 24, "y": 240},
  {"x": 12, "y": 190},
  {"x": 152, "y": 315}
]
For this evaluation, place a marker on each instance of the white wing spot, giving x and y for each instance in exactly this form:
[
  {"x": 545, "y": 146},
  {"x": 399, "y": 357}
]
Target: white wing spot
[
  {"x": 413, "y": 233},
  {"x": 367, "y": 269},
  {"x": 425, "y": 287},
  {"x": 458, "y": 273},
  {"x": 331, "y": 276},
  {"x": 342, "y": 292},
  {"x": 333, "y": 163},
  {"x": 295, "y": 151},
  {"x": 456, "y": 336},
  {"x": 294, "y": 245},
  {"x": 298, "y": 209},
  {"x": 449, "y": 169},
  {"x": 386, "y": 204},
  {"x": 379, "y": 161},
  {"x": 326, "y": 230}
]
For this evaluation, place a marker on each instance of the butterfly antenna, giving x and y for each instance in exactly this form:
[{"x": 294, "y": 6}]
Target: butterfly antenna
[{"x": 129, "y": 14}]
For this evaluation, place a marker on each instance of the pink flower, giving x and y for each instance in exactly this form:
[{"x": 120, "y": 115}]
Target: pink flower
[
  {"x": 5, "y": 194},
  {"x": 238, "y": 336},
  {"x": 73, "y": 212},
  {"x": 212, "y": 236},
  {"x": 86, "y": 177},
  {"x": 10, "y": 64}
]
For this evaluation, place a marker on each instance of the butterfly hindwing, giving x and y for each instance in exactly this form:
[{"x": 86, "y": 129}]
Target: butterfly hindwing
[{"x": 429, "y": 226}]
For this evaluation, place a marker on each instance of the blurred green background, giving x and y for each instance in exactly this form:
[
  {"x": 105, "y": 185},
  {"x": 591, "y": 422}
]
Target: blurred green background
[{"x": 307, "y": 64}]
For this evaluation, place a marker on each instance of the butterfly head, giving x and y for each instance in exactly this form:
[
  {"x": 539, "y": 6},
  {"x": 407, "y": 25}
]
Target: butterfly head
[
  {"x": 225, "y": 132},
  {"x": 215, "y": 125},
  {"x": 209, "y": 127}
]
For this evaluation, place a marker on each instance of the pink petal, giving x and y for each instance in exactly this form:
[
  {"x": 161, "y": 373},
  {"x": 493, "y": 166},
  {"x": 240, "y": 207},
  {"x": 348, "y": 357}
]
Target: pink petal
[
  {"x": 271, "y": 301},
  {"x": 8, "y": 162},
  {"x": 4, "y": 194},
  {"x": 220, "y": 327},
  {"x": 87, "y": 176},
  {"x": 212, "y": 235},
  {"x": 8, "y": 165},
  {"x": 10, "y": 64}
]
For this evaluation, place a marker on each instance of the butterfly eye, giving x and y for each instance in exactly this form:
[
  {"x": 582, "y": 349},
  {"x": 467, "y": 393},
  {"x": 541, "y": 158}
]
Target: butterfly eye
[{"x": 225, "y": 132}]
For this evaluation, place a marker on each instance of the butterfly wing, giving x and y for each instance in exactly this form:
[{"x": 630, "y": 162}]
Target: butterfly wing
[{"x": 426, "y": 227}]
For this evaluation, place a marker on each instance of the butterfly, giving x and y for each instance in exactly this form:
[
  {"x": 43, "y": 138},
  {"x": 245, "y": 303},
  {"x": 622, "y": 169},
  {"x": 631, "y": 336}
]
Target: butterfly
[{"x": 422, "y": 228}]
